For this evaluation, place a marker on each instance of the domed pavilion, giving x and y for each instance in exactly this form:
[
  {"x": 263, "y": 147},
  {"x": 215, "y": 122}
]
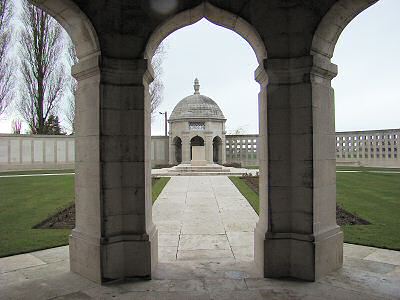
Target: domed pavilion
[{"x": 197, "y": 131}]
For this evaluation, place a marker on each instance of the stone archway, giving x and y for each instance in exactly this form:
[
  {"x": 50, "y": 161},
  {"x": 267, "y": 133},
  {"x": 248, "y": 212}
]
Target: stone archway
[
  {"x": 217, "y": 150},
  {"x": 334, "y": 22},
  {"x": 244, "y": 29},
  {"x": 296, "y": 235},
  {"x": 84, "y": 255},
  {"x": 215, "y": 15},
  {"x": 177, "y": 142},
  {"x": 195, "y": 141}
]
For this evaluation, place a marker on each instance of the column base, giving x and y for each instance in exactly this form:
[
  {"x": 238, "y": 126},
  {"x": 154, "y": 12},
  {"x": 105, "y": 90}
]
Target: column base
[
  {"x": 116, "y": 258},
  {"x": 303, "y": 257}
]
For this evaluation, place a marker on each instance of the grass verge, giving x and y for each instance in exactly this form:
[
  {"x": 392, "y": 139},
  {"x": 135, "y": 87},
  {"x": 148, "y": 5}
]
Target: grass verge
[
  {"x": 252, "y": 167},
  {"x": 247, "y": 192},
  {"x": 158, "y": 186},
  {"x": 372, "y": 196},
  {"x": 33, "y": 172},
  {"x": 27, "y": 201}
]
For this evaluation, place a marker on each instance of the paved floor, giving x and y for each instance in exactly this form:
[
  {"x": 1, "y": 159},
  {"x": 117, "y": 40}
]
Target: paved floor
[
  {"x": 205, "y": 229},
  {"x": 203, "y": 218}
]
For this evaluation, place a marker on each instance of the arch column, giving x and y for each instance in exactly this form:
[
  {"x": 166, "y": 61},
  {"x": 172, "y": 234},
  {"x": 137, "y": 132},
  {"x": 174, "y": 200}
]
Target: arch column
[
  {"x": 186, "y": 149},
  {"x": 223, "y": 150},
  {"x": 172, "y": 150},
  {"x": 297, "y": 235},
  {"x": 208, "y": 143},
  {"x": 114, "y": 237}
]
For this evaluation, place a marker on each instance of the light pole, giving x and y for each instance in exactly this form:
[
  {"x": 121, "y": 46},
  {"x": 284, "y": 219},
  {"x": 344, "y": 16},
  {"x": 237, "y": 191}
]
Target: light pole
[{"x": 166, "y": 121}]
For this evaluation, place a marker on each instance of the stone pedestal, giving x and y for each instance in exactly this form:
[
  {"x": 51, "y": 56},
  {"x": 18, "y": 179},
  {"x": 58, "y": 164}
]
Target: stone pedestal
[{"x": 198, "y": 156}]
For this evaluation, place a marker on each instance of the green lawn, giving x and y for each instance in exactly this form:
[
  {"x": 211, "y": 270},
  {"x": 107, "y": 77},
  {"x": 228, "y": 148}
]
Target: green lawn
[
  {"x": 252, "y": 167},
  {"x": 372, "y": 196},
  {"x": 376, "y": 198},
  {"x": 26, "y": 201},
  {"x": 36, "y": 172},
  {"x": 247, "y": 192},
  {"x": 158, "y": 186},
  {"x": 350, "y": 168}
]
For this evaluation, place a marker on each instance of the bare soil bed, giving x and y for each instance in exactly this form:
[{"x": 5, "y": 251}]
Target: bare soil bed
[
  {"x": 64, "y": 219},
  {"x": 343, "y": 217}
]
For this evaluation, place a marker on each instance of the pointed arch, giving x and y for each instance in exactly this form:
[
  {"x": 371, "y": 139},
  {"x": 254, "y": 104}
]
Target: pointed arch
[
  {"x": 215, "y": 15},
  {"x": 75, "y": 22},
  {"x": 333, "y": 24}
]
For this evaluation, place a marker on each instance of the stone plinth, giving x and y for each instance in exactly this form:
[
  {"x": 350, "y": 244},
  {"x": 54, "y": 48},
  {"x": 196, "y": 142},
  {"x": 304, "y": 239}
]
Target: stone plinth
[{"x": 198, "y": 156}]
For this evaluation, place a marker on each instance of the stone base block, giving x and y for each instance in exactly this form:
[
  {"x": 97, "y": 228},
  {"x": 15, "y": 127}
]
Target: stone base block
[
  {"x": 303, "y": 257},
  {"x": 117, "y": 258},
  {"x": 84, "y": 255},
  {"x": 198, "y": 163}
]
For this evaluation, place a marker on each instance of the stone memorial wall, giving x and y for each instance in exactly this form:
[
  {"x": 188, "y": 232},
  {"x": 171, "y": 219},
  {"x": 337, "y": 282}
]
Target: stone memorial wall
[
  {"x": 376, "y": 148},
  {"x": 30, "y": 152},
  {"x": 242, "y": 149}
]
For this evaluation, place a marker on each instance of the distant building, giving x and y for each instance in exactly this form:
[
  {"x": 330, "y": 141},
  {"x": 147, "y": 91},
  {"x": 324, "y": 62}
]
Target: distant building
[
  {"x": 372, "y": 148},
  {"x": 197, "y": 121}
]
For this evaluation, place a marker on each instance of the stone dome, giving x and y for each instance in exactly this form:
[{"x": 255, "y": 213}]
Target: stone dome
[{"x": 197, "y": 106}]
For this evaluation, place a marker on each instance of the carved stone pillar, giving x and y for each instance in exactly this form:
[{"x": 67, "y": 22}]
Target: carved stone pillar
[
  {"x": 208, "y": 143},
  {"x": 223, "y": 149},
  {"x": 172, "y": 149},
  {"x": 298, "y": 222},
  {"x": 114, "y": 236},
  {"x": 186, "y": 149}
]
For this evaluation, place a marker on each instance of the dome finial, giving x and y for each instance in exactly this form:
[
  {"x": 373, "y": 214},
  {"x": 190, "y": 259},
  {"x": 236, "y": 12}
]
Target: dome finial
[{"x": 196, "y": 87}]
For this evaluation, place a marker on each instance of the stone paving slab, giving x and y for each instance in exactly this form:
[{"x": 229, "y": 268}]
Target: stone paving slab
[
  {"x": 23, "y": 261},
  {"x": 385, "y": 256},
  {"x": 360, "y": 278},
  {"x": 204, "y": 242},
  {"x": 211, "y": 207}
]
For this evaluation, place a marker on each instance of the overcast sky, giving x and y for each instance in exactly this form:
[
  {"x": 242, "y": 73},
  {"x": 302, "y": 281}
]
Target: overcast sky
[{"x": 367, "y": 87}]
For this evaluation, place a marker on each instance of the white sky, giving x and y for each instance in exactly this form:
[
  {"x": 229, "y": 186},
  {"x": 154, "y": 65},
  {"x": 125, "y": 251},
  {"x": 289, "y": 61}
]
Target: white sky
[{"x": 367, "y": 93}]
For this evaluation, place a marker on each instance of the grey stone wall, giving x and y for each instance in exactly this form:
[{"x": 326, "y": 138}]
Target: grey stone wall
[
  {"x": 242, "y": 149},
  {"x": 375, "y": 148},
  {"x": 43, "y": 152},
  {"x": 28, "y": 152},
  {"x": 159, "y": 150}
]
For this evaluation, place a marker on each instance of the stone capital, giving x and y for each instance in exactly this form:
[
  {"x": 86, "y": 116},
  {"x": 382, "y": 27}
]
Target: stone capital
[
  {"x": 87, "y": 67},
  {"x": 126, "y": 72},
  {"x": 260, "y": 75},
  {"x": 304, "y": 69}
]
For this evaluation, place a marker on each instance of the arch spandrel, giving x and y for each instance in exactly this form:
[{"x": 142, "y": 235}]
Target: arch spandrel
[
  {"x": 75, "y": 22},
  {"x": 333, "y": 24}
]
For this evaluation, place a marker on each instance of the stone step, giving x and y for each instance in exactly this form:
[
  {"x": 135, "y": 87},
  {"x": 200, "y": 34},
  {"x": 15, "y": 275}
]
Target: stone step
[{"x": 200, "y": 174}]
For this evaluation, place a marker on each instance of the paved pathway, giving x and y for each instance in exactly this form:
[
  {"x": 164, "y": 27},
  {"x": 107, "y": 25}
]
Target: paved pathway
[
  {"x": 204, "y": 218},
  {"x": 205, "y": 228}
]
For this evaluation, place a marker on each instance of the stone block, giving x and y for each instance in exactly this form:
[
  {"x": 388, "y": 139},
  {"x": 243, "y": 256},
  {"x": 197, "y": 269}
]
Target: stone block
[
  {"x": 4, "y": 151},
  {"x": 37, "y": 151},
  {"x": 309, "y": 260},
  {"x": 85, "y": 256},
  {"x": 15, "y": 151}
]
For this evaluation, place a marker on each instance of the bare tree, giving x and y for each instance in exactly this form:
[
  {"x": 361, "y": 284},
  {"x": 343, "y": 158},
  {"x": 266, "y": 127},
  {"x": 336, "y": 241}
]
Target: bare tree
[
  {"x": 6, "y": 76},
  {"x": 157, "y": 86},
  {"x": 43, "y": 72},
  {"x": 73, "y": 87}
]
